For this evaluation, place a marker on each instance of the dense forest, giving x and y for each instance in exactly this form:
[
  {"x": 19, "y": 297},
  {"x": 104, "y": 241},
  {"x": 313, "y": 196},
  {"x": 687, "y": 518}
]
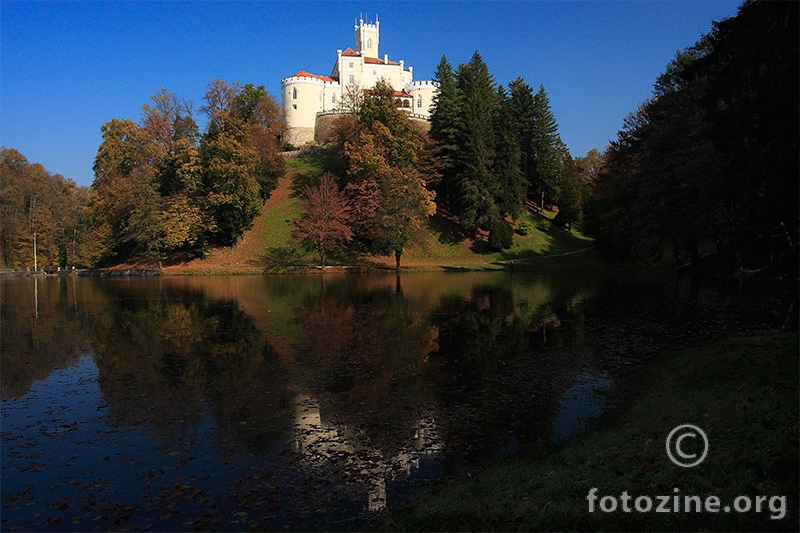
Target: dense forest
[
  {"x": 42, "y": 215},
  {"x": 708, "y": 166},
  {"x": 704, "y": 172}
]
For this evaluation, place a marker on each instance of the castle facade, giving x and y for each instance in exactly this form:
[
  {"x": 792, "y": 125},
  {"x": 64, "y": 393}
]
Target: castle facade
[{"x": 307, "y": 98}]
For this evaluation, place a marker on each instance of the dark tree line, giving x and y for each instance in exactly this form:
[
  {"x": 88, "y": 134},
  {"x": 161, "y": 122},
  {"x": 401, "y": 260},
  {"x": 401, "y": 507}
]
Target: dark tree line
[
  {"x": 162, "y": 187},
  {"x": 710, "y": 162}
]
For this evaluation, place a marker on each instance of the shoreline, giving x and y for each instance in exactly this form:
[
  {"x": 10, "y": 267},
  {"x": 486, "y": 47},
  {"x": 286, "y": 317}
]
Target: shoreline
[{"x": 624, "y": 453}]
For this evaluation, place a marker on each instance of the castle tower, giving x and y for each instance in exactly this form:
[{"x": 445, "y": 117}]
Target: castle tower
[{"x": 367, "y": 36}]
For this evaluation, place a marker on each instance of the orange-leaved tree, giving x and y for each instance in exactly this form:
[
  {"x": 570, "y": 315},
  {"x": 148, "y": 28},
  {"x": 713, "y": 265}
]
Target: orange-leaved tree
[{"x": 325, "y": 223}]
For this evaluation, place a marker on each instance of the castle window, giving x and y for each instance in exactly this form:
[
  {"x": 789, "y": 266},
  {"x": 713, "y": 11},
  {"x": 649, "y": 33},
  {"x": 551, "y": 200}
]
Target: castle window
[
  {"x": 333, "y": 98},
  {"x": 369, "y": 44},
  {"x": 294, "y": 94},
  {"x": 351, "y": 64},
  {"x": 419, "y": 103},
  {"x": 352, "y": 79}
]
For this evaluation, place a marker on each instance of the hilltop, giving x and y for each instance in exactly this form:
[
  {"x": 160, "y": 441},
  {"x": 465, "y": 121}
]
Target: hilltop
[{"x": 269, "y": 244}]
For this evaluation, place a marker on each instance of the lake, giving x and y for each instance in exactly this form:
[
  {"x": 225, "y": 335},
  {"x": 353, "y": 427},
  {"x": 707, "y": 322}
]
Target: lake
[{"x": 314, "y": 401}]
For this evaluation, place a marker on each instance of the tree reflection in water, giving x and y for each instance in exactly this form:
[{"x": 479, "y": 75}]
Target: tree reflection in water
[{"x": 307, "y": 401}]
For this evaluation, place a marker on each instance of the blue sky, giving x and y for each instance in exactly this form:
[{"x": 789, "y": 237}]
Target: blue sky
[{"x": 66, "y": 68}]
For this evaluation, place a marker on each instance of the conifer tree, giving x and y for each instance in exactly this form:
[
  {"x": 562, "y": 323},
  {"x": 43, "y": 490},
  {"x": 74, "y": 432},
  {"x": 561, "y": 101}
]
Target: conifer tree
[
  {"x": 446, "y": 128},
  {"x": 476, "y": 183},
  {"x": 522, "y": 112},
  {"x": 509, "y": 187},
  {"x": 546, "y": 159}
]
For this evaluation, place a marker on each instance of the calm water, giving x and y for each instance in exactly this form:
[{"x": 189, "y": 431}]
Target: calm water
[{"x": 309, "y": 401}]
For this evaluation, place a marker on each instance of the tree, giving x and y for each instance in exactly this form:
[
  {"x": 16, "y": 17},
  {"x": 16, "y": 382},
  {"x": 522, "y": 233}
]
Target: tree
[
  {"x": 475, "y": 180},
  {"x": 475, "y": 126},
  {"x": 388, "y": 165},
  {"x": 446, "y": 128},
  {"x": 325, "y": 223},
  {"x": 239, "y": 156},
  {"x": 523, "y": 109},
  {"x": 510, "y": 181},
  {"x": 352, "y": 99},
  {"x": 711, "y": 158},
  {"x": 261, "y": 114},
  {"x": 231, "y": 193},
  {"x": 40, "y": 214},
  {"x": 118, "y": 163},
  {"x": 570, "y": 203},
  {"x": 752, "y": 104},
  {"x": 406, "y": 205},
  {"x": 545, "y": 160}
]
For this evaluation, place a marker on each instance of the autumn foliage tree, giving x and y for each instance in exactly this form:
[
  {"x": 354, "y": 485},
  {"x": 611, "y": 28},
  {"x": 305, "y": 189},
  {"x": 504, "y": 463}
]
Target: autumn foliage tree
[
  {"x": 325, "y": 222},
  {"x": 388, "y": 166},
  {"x": 162, "y": 187},
  {"x": 41, "y": 215}
]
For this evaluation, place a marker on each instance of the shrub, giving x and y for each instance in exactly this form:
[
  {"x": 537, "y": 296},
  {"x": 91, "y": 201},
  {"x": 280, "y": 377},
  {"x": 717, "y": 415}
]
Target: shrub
[
  {"x": 501, "y": 235},
  {"x": 525, "y": 228}
]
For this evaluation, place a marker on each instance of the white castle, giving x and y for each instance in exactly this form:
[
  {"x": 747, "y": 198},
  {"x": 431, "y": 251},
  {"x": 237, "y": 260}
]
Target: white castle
[{"x": 309, "y": 97}]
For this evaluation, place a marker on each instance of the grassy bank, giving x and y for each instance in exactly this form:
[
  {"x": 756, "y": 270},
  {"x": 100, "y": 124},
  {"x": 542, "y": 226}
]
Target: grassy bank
[
  {"x": 743, "y": 392},
  {"x": 441, "y": 245}
]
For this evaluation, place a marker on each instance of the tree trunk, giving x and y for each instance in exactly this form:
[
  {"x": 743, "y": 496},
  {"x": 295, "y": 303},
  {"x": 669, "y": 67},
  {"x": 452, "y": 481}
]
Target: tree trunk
[{"x": 397, "y": 254}]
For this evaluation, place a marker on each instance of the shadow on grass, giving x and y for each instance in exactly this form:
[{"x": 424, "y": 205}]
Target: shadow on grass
[
  {"x": 450, "y": 231},
  {"x": 481, "y": 247},
  {"x": 281, "y": 258}
]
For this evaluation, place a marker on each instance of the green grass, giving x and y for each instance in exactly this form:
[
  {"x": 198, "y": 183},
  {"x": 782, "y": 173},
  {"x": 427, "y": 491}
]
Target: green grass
[
  {"x": 445, "y": 244},
  {"x": 743, "y": 392},
  {"x": 442, "y": 244}
]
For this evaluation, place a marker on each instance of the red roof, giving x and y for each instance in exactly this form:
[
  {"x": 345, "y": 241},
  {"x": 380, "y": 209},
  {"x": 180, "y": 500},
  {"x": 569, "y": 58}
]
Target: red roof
[
  {"x": 379, "y": 61},
  {"x": 397, "y": 94},
  {"x": 305, "y": 74},
  {"x": 350, "y": 52}
]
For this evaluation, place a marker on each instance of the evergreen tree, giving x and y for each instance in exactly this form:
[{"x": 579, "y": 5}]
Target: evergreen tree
[
  {"x": 446, "y": 128},
  {"x": 522, "y": 114},
  {"x": 509, "y": 186},
  {"x": 546, "y": 160},
  {"x": 475, "y": 181}
]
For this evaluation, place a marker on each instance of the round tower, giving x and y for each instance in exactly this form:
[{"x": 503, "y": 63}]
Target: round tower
[
  {"x": 303, "y": 96},
  {"x": 422, "y": 92}
]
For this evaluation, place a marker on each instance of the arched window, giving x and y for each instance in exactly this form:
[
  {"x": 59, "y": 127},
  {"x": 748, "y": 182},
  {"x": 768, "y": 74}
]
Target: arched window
[
  {"x": 333, "y": 98},
  {"x": 369, "y": 43},
  {"x": 419, "y": 103},
  {"x": 294, "y": 94}
]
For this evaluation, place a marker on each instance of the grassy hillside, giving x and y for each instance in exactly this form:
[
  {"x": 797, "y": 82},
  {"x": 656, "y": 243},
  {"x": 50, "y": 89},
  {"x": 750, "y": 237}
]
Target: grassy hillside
[{"x": 444, "y": 244}]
